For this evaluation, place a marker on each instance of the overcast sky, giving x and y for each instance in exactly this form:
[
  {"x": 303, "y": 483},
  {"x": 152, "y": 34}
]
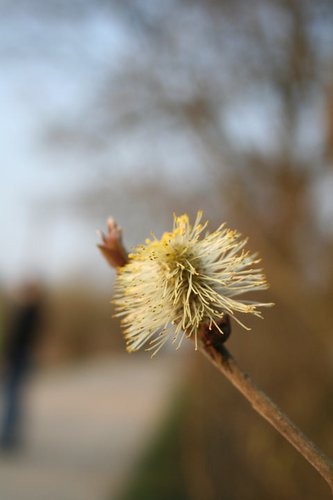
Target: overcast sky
[{"x": 45, "y": 76}]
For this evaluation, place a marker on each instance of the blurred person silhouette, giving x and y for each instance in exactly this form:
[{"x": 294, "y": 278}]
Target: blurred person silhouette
[{"x": 21, "y": 336}]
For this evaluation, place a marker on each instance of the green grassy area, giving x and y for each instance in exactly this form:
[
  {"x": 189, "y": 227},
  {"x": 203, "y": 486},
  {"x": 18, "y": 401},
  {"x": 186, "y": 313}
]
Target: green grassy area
[{"x": 160, "y": 474}]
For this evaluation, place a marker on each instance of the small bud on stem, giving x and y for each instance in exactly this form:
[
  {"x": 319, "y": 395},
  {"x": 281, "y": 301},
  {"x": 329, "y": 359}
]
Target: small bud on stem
[{"x": 112, "y": 247}]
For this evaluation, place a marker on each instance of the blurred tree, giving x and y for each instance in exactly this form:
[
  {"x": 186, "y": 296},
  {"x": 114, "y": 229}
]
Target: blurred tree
[
  {"x": 225, "y": 106},
  {"x": 238, "y": 95}
]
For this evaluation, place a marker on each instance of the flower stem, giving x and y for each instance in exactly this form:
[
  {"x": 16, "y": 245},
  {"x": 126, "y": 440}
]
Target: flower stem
[{"x": 262, "y": 404}]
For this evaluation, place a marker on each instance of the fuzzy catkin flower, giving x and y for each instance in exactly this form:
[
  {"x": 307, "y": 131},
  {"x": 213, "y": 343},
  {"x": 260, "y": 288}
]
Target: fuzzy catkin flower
[{"x": 171, "y": 286}]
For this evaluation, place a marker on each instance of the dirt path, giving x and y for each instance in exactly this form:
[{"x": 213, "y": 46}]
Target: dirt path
[{"x": 87, "y": 427}]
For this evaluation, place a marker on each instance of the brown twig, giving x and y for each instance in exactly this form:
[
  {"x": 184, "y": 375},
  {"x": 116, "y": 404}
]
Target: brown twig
[
  {"x": 212, "y": 347},
  {"x": 220, "y": 357}
]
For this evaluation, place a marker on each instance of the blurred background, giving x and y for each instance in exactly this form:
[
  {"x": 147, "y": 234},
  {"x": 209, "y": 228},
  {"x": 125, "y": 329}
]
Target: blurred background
[{"x": 140, "y": 109}]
